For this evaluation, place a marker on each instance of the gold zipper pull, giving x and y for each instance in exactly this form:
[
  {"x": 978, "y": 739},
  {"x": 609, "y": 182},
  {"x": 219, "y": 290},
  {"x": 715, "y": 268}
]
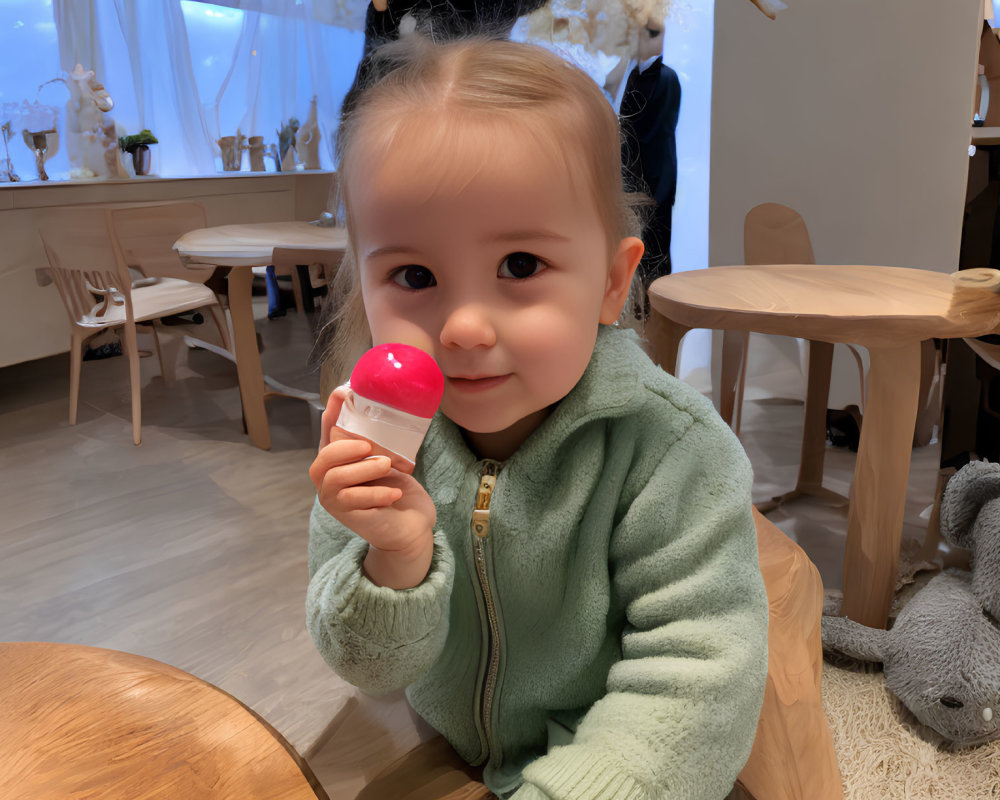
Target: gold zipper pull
[{"x": 481, "y": 513}]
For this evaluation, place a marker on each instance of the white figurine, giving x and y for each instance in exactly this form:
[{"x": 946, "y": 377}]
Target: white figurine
[{"x": 87, "y": 138}]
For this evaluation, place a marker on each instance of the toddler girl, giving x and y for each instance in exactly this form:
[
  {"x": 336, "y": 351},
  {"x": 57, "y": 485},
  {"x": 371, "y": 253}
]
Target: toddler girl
[{"x": 568, "y": 583}]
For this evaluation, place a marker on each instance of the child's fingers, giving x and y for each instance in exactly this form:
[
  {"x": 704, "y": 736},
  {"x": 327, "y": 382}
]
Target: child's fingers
[
  {"x": 357, "y": 473},
  {"x": 360, "y": 498},
  {"x": 336, "y": 454},
  {"x": 331, "y": 413}
]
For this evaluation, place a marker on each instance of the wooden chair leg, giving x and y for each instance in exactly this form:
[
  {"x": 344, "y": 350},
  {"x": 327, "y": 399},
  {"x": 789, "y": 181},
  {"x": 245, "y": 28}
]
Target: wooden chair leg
[
  {"x": 813, "y": 453},
  {"x": 222, "y": 325},
  {"x": 168, "y": 350},
  {"x": 297, "y": 289},
  {"x": 156, "y": 344},
  {"x": 929, "y": 410},
  {"x": 932, "y": 539},
  {"x": 132, "y": 351},
  {"x": 75, "y": 361}
]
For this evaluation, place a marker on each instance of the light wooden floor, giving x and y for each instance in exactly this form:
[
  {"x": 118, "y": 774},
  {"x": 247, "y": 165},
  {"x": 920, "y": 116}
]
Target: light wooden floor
[{"x": 191, "y": 549}]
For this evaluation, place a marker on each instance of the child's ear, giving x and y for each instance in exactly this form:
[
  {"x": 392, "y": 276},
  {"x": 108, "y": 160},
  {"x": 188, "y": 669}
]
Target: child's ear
[{"x": 623, "y": 266}]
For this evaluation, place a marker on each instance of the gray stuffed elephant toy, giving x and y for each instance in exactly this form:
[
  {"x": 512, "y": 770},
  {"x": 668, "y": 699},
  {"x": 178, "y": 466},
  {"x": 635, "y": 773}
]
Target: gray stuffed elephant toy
[{"x": 942, "y": 656}]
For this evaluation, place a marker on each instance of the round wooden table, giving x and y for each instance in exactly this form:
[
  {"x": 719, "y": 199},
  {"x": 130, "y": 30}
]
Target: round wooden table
[
  {"x": 890, "y": 311},
  {"x": 84, "y": 722},
  {"x": 241, "y": 247}
]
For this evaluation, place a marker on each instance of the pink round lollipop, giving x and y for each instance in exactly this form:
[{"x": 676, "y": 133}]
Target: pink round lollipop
[
  {"x": 395, "y": 389},
  {"x": 399, "y": 376}
]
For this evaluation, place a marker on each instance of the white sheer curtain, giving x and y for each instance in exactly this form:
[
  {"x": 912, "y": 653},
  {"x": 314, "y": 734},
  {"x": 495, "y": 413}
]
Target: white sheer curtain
[
  {"x": 287, "y": 52},
  {"x": 349, "y": 14},
  {"x": 78, "y": 31},
  {"x": 279, "y": 64},
  {"x": 163, "y": 80}
]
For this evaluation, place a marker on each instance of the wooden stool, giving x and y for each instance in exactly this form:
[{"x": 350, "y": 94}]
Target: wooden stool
[
  {"x": 793, "y": 757},
  {"x": 81, "y": 721}
]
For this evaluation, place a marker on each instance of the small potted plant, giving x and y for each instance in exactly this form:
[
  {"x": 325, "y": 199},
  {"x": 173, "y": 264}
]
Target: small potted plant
[{"x": 138, "y": 146}]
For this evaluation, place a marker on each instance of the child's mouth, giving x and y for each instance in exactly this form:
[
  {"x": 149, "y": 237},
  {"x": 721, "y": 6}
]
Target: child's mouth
[{"x": 477, "y": 384}]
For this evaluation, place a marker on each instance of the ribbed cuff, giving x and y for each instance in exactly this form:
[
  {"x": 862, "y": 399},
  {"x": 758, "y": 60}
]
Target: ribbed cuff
[
  {"x": 529, "y": 791},
  {"x": 377, "y": 613},
  {"x": 576, "y": 772}
]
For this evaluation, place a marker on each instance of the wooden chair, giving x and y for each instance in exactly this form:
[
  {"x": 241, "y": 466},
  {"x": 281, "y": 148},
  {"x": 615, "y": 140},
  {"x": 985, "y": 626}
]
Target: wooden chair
[
  {"x": 776, "y": 234},
  {"x": 89, "y": 269},
  {"x": 86, "y": 722},
  {"x": 772, "y": 234},
  {"x": 146, "y": 234},
  {"x": 310, "y": 270}
]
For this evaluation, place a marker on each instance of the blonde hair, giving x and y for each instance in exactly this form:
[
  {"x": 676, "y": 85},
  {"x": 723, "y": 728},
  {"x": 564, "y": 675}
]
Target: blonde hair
[{"x": 513, "y": 88}]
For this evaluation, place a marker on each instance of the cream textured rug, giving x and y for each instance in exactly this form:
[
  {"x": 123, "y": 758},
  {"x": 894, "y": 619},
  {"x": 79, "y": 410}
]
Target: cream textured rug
[
  {"x": 883, "y": 751},
  {"x": 885, "y": 754}
]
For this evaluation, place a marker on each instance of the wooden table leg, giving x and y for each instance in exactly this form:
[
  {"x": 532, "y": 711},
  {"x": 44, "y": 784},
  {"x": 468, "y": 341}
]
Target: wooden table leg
[
  {"x": 248, "y": 368},
  {"x": 664, "y": 336},
  {"x": 878, "y": 496},
  {"x": 733, "y": 377}
]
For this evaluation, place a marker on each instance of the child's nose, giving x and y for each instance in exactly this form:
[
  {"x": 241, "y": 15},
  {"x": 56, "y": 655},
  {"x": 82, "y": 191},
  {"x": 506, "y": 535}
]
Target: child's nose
[{"x": 467, "y": 327}]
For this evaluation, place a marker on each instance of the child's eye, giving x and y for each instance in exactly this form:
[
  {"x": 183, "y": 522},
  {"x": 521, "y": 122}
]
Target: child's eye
[
  {"x": 414, "y": 277},
  {"x": 520, "y": 265}
]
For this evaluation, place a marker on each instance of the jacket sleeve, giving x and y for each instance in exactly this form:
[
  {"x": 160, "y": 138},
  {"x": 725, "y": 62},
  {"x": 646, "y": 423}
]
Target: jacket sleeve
[
  {"x": 681, "y": 708},
  {"x": 375, "y": 637}
]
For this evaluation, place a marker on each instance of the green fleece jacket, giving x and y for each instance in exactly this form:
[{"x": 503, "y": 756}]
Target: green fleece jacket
[{"x": 604, "y": 633}]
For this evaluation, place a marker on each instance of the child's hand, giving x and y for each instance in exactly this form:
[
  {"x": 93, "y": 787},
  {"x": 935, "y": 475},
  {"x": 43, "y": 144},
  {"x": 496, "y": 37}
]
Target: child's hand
[{"x": 386, "y": 507}]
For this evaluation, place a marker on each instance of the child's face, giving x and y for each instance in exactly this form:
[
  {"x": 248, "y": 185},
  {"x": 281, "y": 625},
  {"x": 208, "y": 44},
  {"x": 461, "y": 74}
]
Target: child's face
[{"x": 499, "y": 268}]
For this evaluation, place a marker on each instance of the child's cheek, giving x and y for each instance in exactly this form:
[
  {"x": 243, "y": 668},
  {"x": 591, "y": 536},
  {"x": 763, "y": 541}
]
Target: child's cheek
[{"x": 389, "y": 324}]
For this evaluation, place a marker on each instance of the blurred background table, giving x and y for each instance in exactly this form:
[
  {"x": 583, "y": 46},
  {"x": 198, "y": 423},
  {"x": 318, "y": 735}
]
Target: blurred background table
[{"x": 240, "y": 248}]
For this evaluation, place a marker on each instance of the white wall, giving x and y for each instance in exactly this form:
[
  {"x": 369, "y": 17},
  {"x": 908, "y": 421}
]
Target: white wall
[
  {"x": 854, "y": 112},
  {"x": 688, "y": 50}
]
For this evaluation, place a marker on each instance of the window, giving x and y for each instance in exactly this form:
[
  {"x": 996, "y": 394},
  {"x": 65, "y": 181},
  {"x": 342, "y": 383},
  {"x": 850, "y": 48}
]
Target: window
[
  {"x": 194, "y": 72},
  {"x": 30, "y": 50}
]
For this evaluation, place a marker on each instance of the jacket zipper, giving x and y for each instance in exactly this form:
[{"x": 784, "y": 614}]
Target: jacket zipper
[{"x": 481, "y": 530}]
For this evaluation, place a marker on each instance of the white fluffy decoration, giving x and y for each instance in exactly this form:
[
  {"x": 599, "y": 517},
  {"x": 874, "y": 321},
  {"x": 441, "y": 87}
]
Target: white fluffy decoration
[{"x": 596, "y": 35}]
